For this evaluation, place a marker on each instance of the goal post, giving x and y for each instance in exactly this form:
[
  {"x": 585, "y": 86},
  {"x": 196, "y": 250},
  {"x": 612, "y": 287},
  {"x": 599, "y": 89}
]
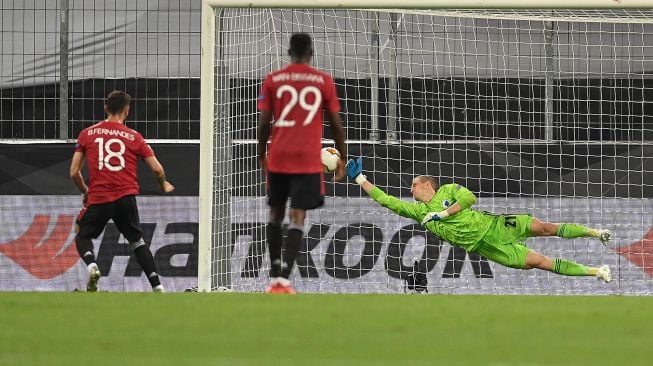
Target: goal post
[
  {"x": 540, "y": 107},
  {"x": 205, "y": 240}
]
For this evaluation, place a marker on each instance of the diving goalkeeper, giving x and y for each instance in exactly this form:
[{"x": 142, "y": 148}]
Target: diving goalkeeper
[{"x": 446, "y": 211}]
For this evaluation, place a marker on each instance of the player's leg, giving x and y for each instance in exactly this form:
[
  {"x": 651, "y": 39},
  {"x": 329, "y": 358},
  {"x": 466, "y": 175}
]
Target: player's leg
[
  {"x": 90, "y": 224},
  {"x": 293, "y": 239},
  {"x": 275, "y": 238},
  {"x": 278, "y": 191},
  {"x": 569, "y": 231},
  {"x": 565, "y": 267},
  {"x": 306, "y": 193},
  {"x": 125, "y": 215}
]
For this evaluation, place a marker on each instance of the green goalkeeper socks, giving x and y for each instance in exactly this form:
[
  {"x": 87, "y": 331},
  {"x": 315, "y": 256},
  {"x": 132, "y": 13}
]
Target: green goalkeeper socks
[
  {"x": 568, "y": 268},
  {"x": 575, "y": 231}
]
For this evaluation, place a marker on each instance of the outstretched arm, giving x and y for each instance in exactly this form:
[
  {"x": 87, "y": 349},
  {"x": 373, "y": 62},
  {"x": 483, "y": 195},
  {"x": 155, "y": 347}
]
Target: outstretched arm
[
  {"x": 367, "y": 186},
  {"x": 354, "y": 170}
]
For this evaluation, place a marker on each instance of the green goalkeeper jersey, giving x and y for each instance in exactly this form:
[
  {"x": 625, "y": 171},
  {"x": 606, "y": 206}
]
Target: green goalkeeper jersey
[{"x": 464, "y": 229}]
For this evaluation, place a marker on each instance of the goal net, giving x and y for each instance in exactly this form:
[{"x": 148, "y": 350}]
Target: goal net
[{"x": 547, "y": 112}]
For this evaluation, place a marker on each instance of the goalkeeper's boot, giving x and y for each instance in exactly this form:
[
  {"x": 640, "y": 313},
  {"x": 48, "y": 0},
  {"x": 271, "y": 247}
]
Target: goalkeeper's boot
[
  {"x": 604, "y": 274},
  {"x": 93, "y": 278},
  {"x": 605, "y": 236}
]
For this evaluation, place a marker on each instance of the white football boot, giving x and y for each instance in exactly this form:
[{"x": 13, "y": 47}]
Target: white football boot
[
  {"x": 604, "y": 274},
  {"x": 93, "y": 278},
  {"x": 605, "y": 236},
  {"x": 159, "y": 288}
]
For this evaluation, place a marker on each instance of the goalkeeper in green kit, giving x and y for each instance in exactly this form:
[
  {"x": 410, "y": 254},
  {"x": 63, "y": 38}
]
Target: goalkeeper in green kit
[{"x": 446, "y": 211}]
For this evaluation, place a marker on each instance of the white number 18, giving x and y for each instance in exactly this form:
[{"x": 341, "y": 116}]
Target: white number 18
[
  {"x": 105, "y": 154},
  {"x": 312, "y": 108}
]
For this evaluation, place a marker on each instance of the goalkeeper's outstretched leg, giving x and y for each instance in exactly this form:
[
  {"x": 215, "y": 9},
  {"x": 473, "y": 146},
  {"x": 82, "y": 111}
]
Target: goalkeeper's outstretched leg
[
  {"x": 561, "y": 266},
  {"x": 569, "y": 231},
  {"x": 565, "y": 267}
]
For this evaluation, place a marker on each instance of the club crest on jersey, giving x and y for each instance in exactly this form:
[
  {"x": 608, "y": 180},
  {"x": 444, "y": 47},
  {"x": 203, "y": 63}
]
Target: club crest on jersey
[{"x": 445, "y": 203}]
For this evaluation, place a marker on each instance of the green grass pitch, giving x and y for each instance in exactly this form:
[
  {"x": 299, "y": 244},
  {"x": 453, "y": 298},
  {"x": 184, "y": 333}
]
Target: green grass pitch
[{"x": 310, "y": 329}]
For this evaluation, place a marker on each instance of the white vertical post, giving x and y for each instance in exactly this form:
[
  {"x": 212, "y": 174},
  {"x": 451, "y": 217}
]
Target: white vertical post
[
  {"x": 222, "y": 162},
  {"x": 207, "y": 119}
]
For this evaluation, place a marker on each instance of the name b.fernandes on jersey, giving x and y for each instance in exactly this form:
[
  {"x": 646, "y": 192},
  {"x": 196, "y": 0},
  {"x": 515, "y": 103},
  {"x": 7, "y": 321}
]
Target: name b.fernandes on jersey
[{"x": 106, "y": 131}]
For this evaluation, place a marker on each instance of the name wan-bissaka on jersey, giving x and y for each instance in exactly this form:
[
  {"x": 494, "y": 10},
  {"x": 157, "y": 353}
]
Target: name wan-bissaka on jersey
[{"x": 298, "y": 76}]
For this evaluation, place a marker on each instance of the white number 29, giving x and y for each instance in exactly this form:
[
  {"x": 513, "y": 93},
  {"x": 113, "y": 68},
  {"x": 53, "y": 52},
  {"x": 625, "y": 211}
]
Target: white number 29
[
  {"x": 105, "y": 154},
  {"x": 312, "y": 108}
]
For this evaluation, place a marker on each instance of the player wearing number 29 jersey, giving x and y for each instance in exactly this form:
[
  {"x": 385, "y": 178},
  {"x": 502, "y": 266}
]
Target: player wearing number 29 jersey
[
  {"x": 112, "y": 151},
  {"x": 292, "y": 103},
  {"x": 297, "y": 95}
]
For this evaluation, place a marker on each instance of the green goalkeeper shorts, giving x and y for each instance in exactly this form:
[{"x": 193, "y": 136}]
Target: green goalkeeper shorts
[{"x": 504, "y": 241}]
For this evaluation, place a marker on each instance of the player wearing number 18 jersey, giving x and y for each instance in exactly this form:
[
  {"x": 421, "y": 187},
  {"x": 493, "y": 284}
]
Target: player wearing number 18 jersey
[
  {"x": 296, "y": 97},
  {"x": 111, "y": 151}
]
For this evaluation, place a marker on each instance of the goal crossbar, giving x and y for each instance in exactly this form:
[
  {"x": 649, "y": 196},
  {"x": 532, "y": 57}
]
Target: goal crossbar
[{"x": 434, "y": 4}]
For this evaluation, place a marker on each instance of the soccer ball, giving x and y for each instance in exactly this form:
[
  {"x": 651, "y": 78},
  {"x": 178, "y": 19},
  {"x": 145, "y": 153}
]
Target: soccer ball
[{"x": 330, "y": 157}]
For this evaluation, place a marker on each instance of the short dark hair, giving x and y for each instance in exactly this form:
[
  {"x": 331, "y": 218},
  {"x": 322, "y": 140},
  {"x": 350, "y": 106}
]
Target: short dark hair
[
  {"x": 117, "y": 101},
  {"x": 300, "y": 44}
]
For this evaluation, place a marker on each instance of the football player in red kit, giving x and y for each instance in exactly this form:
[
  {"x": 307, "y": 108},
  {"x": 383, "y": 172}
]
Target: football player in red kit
[
  {"x": 295, "y": 97},
  {"x": 111, "y": 151}
]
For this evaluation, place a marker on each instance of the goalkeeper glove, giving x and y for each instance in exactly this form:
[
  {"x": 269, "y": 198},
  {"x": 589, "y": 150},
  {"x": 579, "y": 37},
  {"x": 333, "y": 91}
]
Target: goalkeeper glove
[
  {"x": 434, "y": 216},
  {"x": 354, "y": 170}
]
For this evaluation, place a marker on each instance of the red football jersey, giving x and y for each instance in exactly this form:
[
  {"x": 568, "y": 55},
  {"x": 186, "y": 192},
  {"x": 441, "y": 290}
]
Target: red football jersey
[
  {"x": 112, "y": 151},
  {"x": 297, "y": 95}
]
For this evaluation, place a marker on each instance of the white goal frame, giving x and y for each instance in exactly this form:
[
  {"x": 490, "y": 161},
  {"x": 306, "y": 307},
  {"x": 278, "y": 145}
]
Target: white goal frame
[{"x": 208, "y": 80}]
